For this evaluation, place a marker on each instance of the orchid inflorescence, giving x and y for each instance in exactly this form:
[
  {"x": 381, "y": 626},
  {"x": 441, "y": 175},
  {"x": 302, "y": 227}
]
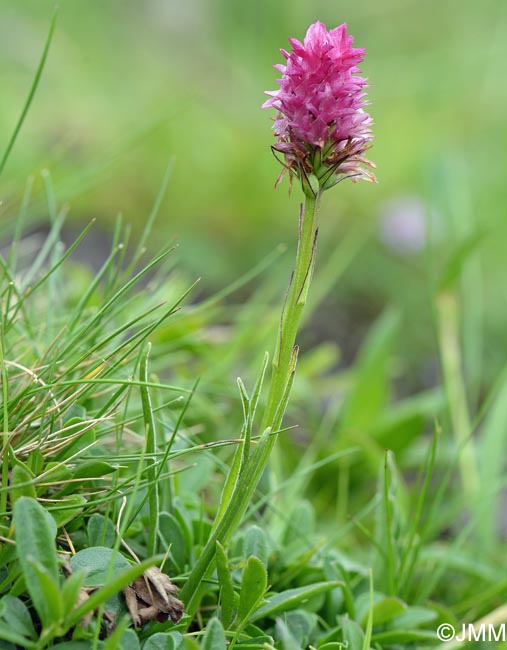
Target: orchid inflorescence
[{"x": 321, "y": 127}]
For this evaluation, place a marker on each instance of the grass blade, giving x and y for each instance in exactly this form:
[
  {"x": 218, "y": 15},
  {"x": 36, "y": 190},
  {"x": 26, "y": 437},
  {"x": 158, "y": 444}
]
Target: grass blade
[
  {"x": 31, "y": 94},
  {"x": 151, "y": 448}
]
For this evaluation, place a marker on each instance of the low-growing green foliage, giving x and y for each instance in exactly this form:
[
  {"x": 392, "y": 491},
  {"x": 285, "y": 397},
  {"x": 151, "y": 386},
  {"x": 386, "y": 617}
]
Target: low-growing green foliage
[{"x": 105, "y": 474}]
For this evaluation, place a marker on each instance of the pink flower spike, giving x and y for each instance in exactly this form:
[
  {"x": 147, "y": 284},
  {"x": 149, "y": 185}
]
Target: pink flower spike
[{"x": 321, "y": 125}]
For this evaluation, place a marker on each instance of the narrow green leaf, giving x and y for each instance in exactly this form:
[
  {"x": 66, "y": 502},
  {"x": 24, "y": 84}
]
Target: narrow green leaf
[
  {"x": 247, "y": 426},
  {"x": 51, "y": 612},
  {"x": 185, "y": 521},
  {"x": 68, "y": 509},
  {"x": 413, "y": 544},
  {"x": 335, "y": 571},
  {"x": 68, "y": 252},
  {"x": 77, "y": 314},
  {"x": 454, "y": 266},
  {"x": 85, "y": 439},
  {"x": 293, "y": 598},
  {"x": 386, "y": 523},
  {"x": 229, "y": 485},
  {"x": 227, "y": 596},
  {"x": 214, "y": 637},
  {"x": 242, "y": 452},
  {"x": 106, "y": 308},
  {"x": 369, "y": 619},
  {"x": 94, "y": 469},
  {"x": 148, "y": 224},
  {"x": 12, "y": 258},
  {"x": 450, "y": 325},
  {"x": 151, "y": 448},
  {"x": 256, "y": 393},
  {"x": 21, "y": 483},
  {"x": 70, "y": 591},
  {"x": 413, "y": 617},
  {"x": 253, "y": 586},
  {"x": 284, "y": 400},
  {"x": 31, "y": 94},
  {"x": 385, "y": 610},
  {"x": 245, "y": 400},
  {"x": 191, "y": 591},
  {"x": 170, "y": 530}
]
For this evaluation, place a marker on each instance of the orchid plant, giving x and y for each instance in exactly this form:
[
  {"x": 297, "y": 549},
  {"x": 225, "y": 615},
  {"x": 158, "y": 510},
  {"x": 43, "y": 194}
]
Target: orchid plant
[{"x": 322, "y": 133}]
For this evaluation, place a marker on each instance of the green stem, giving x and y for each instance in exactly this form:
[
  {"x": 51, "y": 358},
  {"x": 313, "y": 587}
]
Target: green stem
[
  {"x": 293, "y": 309},
  {"x": 284, "y": 363}
]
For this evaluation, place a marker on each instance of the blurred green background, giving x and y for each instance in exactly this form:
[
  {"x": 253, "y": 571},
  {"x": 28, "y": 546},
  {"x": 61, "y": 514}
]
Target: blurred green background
[{"x": 130, "y": 86}]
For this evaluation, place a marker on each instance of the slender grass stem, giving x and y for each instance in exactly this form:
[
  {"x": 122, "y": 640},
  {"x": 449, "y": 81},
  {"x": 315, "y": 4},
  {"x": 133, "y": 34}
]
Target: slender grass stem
[
  {"x": 31, "y": 94},
  {"x": 151, "y": 448},
  {"x": 5, "y": 417},
  {"x": 388, "y": 514},
  {"x": 452, "y": 368}
]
